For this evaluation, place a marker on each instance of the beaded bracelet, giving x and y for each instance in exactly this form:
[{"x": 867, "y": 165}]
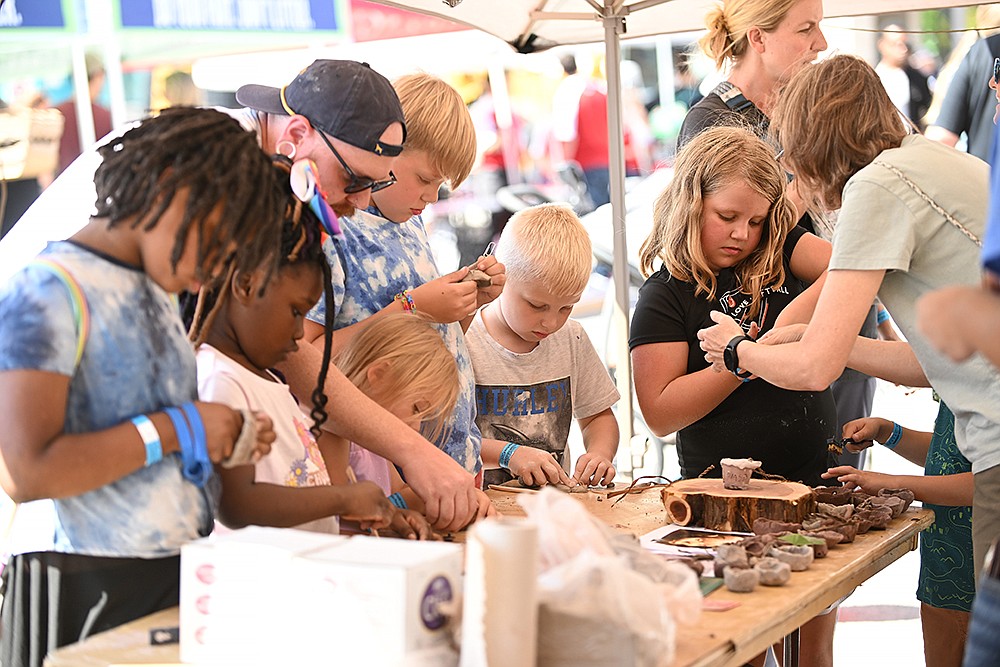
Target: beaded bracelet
[
  {"x": 897, "y": 433},
  {"x": 407, "y": 300},
  {"x": 506, "y": 453},
  {"x": 399, "y": 501}
]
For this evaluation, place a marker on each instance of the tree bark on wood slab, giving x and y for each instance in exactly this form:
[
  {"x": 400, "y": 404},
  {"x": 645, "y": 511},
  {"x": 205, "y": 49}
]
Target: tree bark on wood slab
[{"x": 705, "y": 502}]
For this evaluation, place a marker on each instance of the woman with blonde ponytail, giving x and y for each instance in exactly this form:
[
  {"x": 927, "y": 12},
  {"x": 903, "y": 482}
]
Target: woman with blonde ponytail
[{"x": 764, "y": 42}]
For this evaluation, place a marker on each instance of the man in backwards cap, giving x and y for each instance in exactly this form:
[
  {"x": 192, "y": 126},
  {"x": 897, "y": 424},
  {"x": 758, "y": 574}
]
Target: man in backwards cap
[
  {"x": 343, "y": 115},
  {"x": 347, "y": 118}
]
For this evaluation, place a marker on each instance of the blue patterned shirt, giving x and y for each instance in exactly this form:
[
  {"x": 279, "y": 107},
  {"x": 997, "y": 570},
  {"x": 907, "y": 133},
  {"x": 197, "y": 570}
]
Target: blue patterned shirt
[
  {"x": 137, "y": 360},
  {"x": 375, "y": 260}
]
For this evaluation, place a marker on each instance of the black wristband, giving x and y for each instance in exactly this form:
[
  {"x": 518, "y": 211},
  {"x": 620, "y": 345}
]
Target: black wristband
[{"x": 732, "y": 360}]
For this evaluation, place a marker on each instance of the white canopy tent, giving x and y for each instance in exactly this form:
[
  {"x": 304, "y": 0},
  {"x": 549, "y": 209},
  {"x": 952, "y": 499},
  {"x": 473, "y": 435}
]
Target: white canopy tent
[{"x": 532, "y": 25}]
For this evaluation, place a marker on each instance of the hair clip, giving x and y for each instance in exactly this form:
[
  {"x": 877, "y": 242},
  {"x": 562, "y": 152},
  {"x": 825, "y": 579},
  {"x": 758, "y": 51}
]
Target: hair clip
[{"x": 305, "y": 185}]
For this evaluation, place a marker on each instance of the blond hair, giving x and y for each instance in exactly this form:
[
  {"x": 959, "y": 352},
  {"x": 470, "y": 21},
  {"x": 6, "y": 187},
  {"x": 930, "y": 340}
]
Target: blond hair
[
  {"x": 439, "y": 124},
  {"x": 548, "y": 245},
  {"x": 729, "y": 22},
  {"x": 834, "y": 118},
  {"x": 713, "y": 160},
  {"x": 417, "y": 361}
]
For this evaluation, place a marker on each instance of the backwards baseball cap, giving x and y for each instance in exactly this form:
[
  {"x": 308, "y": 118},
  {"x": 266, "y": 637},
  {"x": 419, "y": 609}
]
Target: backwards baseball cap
[{"x": 346, "y": 99}]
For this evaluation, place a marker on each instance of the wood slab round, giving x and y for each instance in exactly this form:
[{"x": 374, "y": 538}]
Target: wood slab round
[{"x": 706, "y": 502}]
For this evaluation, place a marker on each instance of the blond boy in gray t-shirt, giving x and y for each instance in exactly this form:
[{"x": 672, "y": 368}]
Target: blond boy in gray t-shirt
[{"x": 535, "y": 368}]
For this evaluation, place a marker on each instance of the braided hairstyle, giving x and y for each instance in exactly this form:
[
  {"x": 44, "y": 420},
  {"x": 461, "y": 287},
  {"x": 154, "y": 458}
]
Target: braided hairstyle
[
  {"x": 301, "y": 243},
  {"x": 219, "y": 164}
]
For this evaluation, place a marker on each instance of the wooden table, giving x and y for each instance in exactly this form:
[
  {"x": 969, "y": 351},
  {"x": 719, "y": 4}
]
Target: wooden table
[{"x": 721, "y": 639}]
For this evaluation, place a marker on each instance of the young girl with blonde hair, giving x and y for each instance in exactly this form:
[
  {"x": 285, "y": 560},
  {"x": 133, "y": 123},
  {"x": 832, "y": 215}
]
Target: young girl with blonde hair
[
  {"x": 724, "y": 233},
  {"x": 401, "y": 362}
]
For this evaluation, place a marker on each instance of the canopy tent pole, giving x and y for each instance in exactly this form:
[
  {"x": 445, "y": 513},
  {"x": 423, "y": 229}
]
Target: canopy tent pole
[{"x": 614, "y": 25}]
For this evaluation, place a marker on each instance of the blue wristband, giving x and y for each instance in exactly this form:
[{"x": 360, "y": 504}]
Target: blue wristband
[
  {"x": 897, "y": 433},
  {"x": 398, "y": 501},
  {"x": 882, "y": 316},
  {"x": 197, "y": 467},
  {"x": 506, "y": 453},
  {"x": 150, "y": 438},
  {"x": 181, "y": 429}
]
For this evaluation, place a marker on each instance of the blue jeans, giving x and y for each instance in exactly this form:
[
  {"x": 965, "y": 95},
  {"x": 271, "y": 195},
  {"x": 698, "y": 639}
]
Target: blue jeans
[
  {"x": 598, "y": 182},
  {"x": 983, "y": 646}
]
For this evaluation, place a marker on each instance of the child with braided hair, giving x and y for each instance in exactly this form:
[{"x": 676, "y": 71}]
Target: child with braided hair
[
  {"x": 97, "y": 381},
  {"x": 251, "y": 326}
]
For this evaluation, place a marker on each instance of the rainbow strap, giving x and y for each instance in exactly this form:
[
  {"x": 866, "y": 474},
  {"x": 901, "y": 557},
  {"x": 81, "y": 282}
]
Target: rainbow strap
[{"x": 81, "y": 313}]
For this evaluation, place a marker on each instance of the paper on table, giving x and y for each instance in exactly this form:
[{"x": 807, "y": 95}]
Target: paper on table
[
  {"x": 653, "y": 540},
  {"x": 500, "y": 605}
]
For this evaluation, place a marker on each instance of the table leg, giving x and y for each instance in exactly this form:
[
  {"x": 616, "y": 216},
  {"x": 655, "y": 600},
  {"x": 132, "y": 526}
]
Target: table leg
[{"x": 790, "y": 650}]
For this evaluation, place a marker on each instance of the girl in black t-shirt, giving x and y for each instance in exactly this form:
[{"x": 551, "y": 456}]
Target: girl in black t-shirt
[{"x": 721, "y": 233}]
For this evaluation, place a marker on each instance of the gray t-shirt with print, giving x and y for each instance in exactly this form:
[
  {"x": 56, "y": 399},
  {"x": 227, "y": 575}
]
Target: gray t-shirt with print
[{"x": 531, "y": 398}]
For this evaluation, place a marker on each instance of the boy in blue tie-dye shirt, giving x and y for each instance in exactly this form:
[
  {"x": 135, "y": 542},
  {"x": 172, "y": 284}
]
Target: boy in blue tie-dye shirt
[{"x": 383, "y": 263}]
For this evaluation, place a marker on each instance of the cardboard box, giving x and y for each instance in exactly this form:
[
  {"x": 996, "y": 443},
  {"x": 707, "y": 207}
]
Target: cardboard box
[
  {"x": 264, "y": 596},
  {"x": 378, "y": 600},
  {"x": 237, "y": 603}
]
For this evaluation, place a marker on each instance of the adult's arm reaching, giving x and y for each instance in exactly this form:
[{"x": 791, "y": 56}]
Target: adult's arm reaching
[
  {"x": 448, "y": 491},
  {"x": 815, "y": 361}
]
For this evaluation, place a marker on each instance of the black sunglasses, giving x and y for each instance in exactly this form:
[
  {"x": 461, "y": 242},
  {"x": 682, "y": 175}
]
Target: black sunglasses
[
  {"x": 996, "y": 71},
  {"x": 356, "y": 183}
]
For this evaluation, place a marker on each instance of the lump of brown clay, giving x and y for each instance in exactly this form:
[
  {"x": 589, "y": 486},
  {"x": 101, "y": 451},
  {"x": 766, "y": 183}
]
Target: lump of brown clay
[
  {"x": 740, "y": 580},
  {"x": 481, "y": 278},
  {"x": 879, "y": 516},
  {"x": 840, "y": 511},
  {"x": 773, "y": 572},
  {"x": 762, "y": 526},
  {"x": 798, "y": 558},
  {"x": 903, "y": 494},
  {"x": 758, "y": 545},
  {"x": 858, "y": 496},
  {"x": 731, "y": 555},
  {"x": 831, "y": 537}
]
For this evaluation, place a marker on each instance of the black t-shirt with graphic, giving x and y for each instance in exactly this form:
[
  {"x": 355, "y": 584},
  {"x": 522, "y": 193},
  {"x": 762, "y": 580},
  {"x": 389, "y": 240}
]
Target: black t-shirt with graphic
[{"x": 786, "y": 430}]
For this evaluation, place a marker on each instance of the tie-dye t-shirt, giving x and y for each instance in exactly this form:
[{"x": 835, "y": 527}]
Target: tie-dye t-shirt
[
  {"x": 137, "y": 360},
  {"x": 375, "y": 260}
]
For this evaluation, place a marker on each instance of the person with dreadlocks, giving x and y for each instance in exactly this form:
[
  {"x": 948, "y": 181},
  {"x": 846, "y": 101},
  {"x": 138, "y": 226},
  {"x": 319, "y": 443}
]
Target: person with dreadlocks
[
  {"x": 254, "y": 324},
  {"x": 98, "y": 394},
  {"x": 347, "y": 119}
]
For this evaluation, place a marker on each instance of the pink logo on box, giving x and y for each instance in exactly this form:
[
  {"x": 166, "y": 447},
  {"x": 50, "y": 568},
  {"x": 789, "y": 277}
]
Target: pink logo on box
[
  {"x": 201, "y": 604},
  {"x": 205, "y": 573},
  {"x": 438, "y": 591}
]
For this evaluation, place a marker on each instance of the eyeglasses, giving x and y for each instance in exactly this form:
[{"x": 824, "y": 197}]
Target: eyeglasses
[
  {"x": 357, "y": 183},
  {"x": 996, "y": 71}
]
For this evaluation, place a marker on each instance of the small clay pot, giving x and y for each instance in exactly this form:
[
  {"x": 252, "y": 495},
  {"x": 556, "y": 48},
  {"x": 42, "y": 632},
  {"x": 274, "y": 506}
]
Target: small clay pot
[
  {"x": 773, "y": 572},
  {"x": 878, "y": 515},
  {"x": 731, "y": 555},
  {"x": 736, "y": 473},
  {"x": 798, "y": 558},
  {"x": 833, "y": 495},
  {"x": 831, "y": 537},
  {"x": 903, "y": 494},
  {"x": 740, "y": 580},
  {"x": 894, "y": 504}
]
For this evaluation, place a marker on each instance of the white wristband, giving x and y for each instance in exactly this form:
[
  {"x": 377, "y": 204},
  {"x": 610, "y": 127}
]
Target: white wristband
[{"x": 150, "y": 438}]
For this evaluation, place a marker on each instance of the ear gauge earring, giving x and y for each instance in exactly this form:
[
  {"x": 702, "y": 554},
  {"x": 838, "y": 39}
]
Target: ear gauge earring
[{"x": 291, "y": 149}]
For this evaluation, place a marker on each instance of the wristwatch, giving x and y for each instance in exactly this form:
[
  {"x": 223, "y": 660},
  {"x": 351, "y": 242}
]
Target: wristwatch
[{"x": 732, "y": 360}]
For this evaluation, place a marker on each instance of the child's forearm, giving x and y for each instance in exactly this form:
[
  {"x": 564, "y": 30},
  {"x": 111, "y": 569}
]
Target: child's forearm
[
  {"x": 600, "y": 434},
  {"x": 490, "y": 452},
  {"x": 261, "y": 504},
  {"x": 950, "y": 490}
]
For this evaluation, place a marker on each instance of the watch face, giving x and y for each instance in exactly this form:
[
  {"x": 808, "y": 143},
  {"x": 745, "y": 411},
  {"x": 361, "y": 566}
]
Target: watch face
[{"x": 728, "y": 358}]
